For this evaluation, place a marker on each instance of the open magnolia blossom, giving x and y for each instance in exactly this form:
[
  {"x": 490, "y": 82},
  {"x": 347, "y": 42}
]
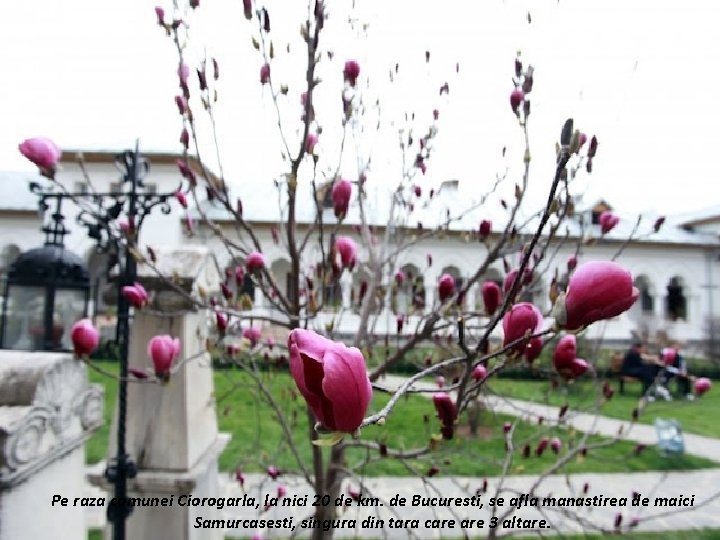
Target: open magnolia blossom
[
  {"x": 85, "y": 337},
  {"x": 332, "y": 378},
  {"x": 597, "y": 290}
]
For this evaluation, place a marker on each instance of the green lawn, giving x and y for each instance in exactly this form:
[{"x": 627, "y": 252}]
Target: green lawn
[
  {"x": 697, "y": 416},
  {"x": 257, "y": 439}
]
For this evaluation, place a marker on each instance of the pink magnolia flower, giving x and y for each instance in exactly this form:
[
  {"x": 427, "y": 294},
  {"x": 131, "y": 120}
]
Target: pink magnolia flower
[
  {"x": 668, "y": 355},
  {"x": 479, "y": 373},
  {"x": 221, "y": 321},
  {"x": 351, "y": 72},
  {"x": 332, "y": 378},
  {"x": 577, "y": 367},
  {"x": 582, "y": 139},
  {"x": 160, "y": 14},
  {"x": 85, "y": 337},
  {"x": 702, "y": 385},
  {"x": 247, "y": 9},
  {"x": 429, "y": 260},
  {"x": 565, "y": 352},
  {"x": 608, "y": 221},
  {"x": 255, "y": 262},
  {"x": 182, "y": 104},
  {"x": 418, "y": 191},
  {"x": 273, "y": 472},
  {"x": 240, "y": 477},
  {"x": 597, "y": 290},
  {"x": 523, "y": 318},
  {"x": 658, "y": 223},
  {"x": 136, "y": 295},
  {"x": 253, "y": 335},
  {"x": 281, "y": 491},
  {"x": 440, "y": 381},
  {"x": 571, "y": 263},
  {"x": 183, "y": 73},
  {"x": 41, "y": 151},
  {"x": 163, "y": 350},
  {"x": 400, "y": 322},
  {"x": 270, "y": 342},
  {"x": 542, "y": 446},
  {"x": 346, "y": 248},
  {"x": 341, "y": 192},
  {"x": 555, "y": 444},
  {"x": 399, "y": 278},
  {"x": 485, "y": 228},
  {"x": 447, "y": 413},
  {"x": 226, "y": 291},
  {"x": 194, "y": 3},
  {"x": 446, "y": 287},
  {"x": 265, "y": 74},
  {"x": 181, "y": 198},
  {"x": 310, "y": 141},
  {"x": 491, "y": 295},
  {"x": 517, "y": 96},
  {"x": 533, "y": 349},
  {"x": 185, "y": 138},
  {"x": 510, "y": 280}
]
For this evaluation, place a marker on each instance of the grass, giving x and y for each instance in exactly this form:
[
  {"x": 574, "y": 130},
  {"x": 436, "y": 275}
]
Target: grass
[
  {"x": 697, "y": 416},
  {"x": 257, "y": 438}
]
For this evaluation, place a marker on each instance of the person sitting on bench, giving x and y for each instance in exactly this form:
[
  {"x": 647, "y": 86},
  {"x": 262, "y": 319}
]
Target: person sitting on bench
[
  {"x": 642, "y": 366},
  {"x": 675, "y": 366}
]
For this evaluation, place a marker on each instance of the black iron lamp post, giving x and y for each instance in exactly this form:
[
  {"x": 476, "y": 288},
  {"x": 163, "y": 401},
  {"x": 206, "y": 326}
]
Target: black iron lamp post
[{"x": 99, "y": 213}]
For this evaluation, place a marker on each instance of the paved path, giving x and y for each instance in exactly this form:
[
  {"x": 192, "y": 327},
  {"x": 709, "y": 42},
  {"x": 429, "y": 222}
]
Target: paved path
[
  {"x": 704, "y": 485},
  {"x": 697, "y": 445}
]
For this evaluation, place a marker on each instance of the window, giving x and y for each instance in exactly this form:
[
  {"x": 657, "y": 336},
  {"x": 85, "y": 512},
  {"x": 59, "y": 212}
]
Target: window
[
  {"x": 675, "y": 301},
  {"x": 647, "y": 300},
  {"x": 116, "y": 188},
  {"x": 81, "y": 187}
]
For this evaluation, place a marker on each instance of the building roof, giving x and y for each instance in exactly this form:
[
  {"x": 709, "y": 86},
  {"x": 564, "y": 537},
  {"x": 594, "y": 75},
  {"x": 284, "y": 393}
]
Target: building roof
[
  {"x": 261, "y": 205},
  {"x": 710, "y": 214}
]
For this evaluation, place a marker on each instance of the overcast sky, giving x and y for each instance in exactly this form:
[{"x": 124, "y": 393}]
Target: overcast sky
[{"x": 640, "y": 75}]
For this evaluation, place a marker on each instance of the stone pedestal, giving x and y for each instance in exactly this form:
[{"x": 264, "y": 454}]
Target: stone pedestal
[
  {"x": 47, "y": 412},
  {"x": 171, "y": 430}
]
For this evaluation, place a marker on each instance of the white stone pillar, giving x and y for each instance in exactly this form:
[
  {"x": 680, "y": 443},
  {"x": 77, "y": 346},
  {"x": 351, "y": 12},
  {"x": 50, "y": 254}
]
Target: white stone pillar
[
  {"x": 47, "y": 411},
  {"x": 171, "y": 430}
]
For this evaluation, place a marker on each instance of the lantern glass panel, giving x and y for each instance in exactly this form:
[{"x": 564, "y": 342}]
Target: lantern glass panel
[
  {"x": 69, "y": 308},
  {"x": 25, "y": 316}
]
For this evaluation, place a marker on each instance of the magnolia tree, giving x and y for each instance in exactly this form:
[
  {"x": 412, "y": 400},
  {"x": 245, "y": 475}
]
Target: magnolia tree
[{"x": 337, "y": 380}]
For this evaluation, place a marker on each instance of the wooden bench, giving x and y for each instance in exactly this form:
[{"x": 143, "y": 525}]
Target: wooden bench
[{"x": 616, "y": 362}]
